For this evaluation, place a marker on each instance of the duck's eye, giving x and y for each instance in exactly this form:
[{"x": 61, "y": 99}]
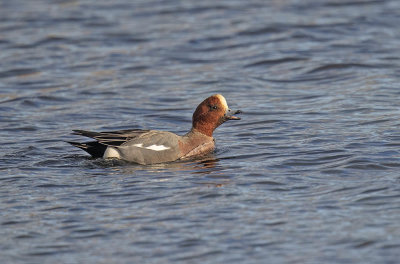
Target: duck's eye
[{"x": 212, "y": 107}]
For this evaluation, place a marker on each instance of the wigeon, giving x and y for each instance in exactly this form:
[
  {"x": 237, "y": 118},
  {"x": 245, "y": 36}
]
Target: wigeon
[{"x": 152, "y": 146}]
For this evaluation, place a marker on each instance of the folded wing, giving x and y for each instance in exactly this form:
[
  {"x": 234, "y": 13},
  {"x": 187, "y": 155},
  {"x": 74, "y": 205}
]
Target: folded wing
[
  {"x": 104, "y": 139},
  {"x": 112, "y": 138}
]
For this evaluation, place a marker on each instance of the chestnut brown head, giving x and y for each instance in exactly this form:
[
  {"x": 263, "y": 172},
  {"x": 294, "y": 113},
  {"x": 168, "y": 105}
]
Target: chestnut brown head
[{"x": 211, "y": 113}]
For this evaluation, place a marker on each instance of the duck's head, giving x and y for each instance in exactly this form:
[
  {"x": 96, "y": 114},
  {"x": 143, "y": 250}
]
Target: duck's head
[{"x": 211, "y": 113}]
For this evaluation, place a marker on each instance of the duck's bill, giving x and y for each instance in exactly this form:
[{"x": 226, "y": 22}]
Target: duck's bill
[{"x": 230, "y": 114}]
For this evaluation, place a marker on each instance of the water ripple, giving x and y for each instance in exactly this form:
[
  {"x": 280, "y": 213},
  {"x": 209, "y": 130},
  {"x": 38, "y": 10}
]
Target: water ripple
[{"x": 309, "y": 175}]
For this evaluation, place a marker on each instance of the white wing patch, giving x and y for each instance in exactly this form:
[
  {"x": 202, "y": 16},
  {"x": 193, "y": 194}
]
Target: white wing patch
[
  {"x": 153, "y": 147},
  {"x": 157, "y": 147}
]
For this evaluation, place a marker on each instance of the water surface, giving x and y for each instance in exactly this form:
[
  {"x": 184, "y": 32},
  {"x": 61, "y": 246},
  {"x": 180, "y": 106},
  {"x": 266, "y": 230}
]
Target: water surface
[{"x": 309, "y": 175}]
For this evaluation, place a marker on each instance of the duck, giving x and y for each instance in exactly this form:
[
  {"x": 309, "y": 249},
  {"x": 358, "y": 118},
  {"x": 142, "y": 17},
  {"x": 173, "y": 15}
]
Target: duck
[{"x": 153, "y": 146}]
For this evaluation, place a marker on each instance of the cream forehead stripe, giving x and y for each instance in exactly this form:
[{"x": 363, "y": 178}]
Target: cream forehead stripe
[{"x": 222, "y": 100}]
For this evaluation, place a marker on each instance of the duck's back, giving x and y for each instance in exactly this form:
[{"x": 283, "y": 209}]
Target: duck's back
[{"x": 148, "y": 148}]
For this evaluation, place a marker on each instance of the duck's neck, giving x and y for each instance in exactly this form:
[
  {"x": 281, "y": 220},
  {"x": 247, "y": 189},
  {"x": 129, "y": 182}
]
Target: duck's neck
[
  {"x": 205, "y": 129},
  {"x": 196, "y": 131}
]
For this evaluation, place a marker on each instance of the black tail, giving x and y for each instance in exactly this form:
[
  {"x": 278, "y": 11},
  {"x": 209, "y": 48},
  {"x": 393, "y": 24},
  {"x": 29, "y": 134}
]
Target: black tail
[{"x": 94, "y": 148}]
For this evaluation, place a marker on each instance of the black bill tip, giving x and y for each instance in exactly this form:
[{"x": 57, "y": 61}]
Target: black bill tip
[{"x": 230, "y": 115}]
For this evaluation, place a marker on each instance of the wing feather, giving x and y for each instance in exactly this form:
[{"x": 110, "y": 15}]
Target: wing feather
[{"x": 112, "y": 138}]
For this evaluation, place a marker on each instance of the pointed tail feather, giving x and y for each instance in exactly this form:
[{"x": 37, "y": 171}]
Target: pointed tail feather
[
  {"x": 94, "y": 148},
  {"x": 85, "y": 133}
]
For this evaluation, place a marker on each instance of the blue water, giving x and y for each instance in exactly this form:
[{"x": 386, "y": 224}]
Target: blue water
[{"x": 309, "y": 175}]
